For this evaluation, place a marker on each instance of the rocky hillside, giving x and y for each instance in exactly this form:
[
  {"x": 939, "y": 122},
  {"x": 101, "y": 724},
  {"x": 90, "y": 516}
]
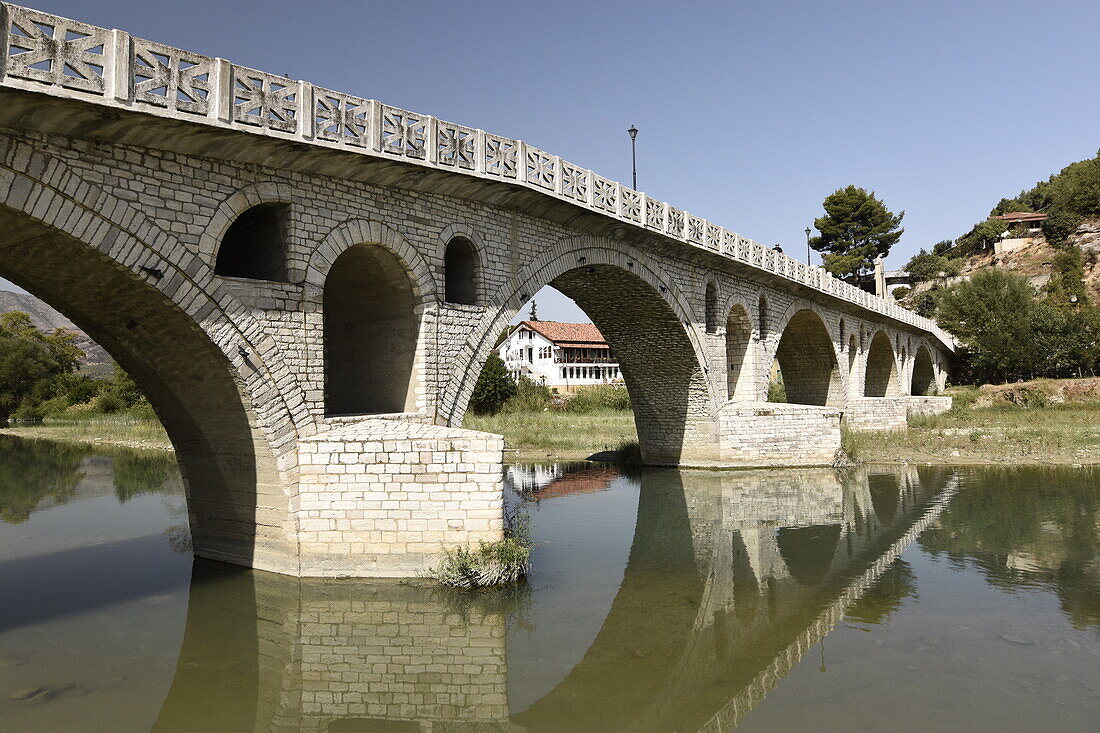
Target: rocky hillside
[{"x": 47, "y": 319}]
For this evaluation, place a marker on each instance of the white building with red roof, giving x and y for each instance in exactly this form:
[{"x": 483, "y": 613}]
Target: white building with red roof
[{"x": 562, "y": 356}]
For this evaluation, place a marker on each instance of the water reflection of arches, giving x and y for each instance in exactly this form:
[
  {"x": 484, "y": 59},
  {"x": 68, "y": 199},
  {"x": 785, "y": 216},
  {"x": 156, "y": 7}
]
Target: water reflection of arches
[{"x": 712, "y": 610}]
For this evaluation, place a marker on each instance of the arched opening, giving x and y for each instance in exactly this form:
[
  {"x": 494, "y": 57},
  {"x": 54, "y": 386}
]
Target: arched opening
[
  {"x": 370, "y": 334},
  {"x": 232, "y": 481},
  {"x": 658, "y": 363},
  {"x": 882, "y": 372},
  {"x": 711, "y": 307},
  {"x": 762, "y": 317},
  {"x": 460, "y": 266},
  {"x": 738, "y": 338},
  {"x": 807, "y": 361},
  {"x": 254, "y": 246},
  {"x": 853, "y": 354},
  {"x": 924, "y": 374},
  {"x": 808, "y": 551}
]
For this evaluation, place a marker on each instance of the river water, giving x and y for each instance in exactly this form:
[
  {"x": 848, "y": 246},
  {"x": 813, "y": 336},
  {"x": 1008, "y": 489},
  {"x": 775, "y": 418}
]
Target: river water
[{"x": 911, "y": 598}]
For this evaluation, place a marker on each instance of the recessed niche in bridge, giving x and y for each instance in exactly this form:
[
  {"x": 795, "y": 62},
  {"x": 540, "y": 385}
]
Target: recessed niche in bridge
[
  {"x": 460, "y": 272},
  {"x": 254, "y": 246},
  {"x": 811, "y": 375},
  {"x": 711, "y": 308},
  {"x": 924, "y": 376},
  {"x": 882, "y": 373},
  {"x": 762, "y": 316},
  {"x": 738, "y": 336},
  {"x": 370, "y": 334}
]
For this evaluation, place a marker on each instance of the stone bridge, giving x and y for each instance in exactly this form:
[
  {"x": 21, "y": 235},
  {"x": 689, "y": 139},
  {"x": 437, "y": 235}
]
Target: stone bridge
[{"x": 306, "y": 284}]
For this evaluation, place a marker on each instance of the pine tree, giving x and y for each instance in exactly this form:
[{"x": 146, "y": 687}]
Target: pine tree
[
  {"x": 534, "y": 311},
  {"x": 857, "y": 228}
]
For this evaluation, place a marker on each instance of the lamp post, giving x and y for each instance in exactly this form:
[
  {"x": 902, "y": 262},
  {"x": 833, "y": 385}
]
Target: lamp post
[
  {"x": 807, "y": 245},
  {"x": 633, "y": 131}
]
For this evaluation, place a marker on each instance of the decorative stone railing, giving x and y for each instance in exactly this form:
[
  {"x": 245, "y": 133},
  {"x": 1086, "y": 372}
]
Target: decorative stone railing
[{"x": 66, "y": 58}]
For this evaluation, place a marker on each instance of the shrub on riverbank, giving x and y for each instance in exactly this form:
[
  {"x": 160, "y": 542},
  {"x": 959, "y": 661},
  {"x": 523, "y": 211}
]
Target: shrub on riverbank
[
  {"x": 489, "y": 564},
  {"x": 599, "y": 398}
]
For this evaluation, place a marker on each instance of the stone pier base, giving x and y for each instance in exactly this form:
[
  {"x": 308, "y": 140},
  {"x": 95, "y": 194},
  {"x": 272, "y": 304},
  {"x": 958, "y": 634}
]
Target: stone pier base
[
  {"x": 876, "y": 413},
  {"x": 930, "y": 405},
  {"x": 778, "y": 434},
  {"x": 382, "y": 498}
]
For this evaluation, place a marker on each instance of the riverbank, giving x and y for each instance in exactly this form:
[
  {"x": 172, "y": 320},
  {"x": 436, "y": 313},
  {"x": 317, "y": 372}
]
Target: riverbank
[
  {"x": 1043, "y": 422},
  {"x": 121, "y": 429}
]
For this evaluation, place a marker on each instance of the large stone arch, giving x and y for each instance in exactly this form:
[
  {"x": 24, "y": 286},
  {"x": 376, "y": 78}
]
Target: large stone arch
[
  {"x": 924, "y": 381},
  {"x": 206, "y": 366},
  {"x": 355, "y": 233},
  {"x": 881, "y": 378},
  {"x": 807, "y": 357},
  {"x": 645, "y": 319}
]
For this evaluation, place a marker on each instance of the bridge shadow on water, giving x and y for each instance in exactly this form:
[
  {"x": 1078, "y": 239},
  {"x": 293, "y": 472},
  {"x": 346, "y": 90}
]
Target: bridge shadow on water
[{"x": 730, "y": 578}]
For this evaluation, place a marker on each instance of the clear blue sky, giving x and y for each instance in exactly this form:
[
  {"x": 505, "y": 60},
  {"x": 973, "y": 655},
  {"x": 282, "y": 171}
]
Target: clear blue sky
[{"x": 749, "y": 113}]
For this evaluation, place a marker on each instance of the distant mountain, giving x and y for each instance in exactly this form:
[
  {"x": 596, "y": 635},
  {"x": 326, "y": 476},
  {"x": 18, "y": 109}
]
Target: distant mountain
[{"x": 47, "y": 319}]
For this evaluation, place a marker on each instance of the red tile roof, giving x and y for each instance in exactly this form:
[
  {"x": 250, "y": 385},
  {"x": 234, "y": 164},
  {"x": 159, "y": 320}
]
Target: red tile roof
[
  {"x": 1021, "y": 216},
  {"x": 569, "y": 334}
]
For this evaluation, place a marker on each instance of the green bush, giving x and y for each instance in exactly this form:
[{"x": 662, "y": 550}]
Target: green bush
[
  {"x": 777, "y": 392},
  {"x": 599, "y": 398},
  {"x": 54, "y": 405},
  {"x": 142, "y": 410},
  {"x": 494, "y": 387},
  {"x": 28, "y": 412},
  {"x": 108, "y": 403},
  {"x": 901, "y": 292},
  {"x": 1059, "y": 225},
  {"x": 530, "y": 396}
]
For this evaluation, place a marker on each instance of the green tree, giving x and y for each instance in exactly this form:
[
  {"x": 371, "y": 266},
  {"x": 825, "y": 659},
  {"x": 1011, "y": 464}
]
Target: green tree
[
  {"x": 926, "y": 266},
  {"x": 1059, "y": 225},
  {"x": 856, "y": 229},
  {"x": 1066, "y": 287},
  {"x": 993, "y": 316},
  {"x": 982, "y": 236},
  {"x": 494, "y": 386}
]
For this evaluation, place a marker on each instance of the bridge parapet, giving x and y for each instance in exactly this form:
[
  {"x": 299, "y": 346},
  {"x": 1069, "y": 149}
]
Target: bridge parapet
[{"x": 56, "y": 56}]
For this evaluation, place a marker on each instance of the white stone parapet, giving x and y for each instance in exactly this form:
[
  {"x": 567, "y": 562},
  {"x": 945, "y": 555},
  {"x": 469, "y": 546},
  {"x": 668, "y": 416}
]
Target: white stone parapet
[{"x": 47, "y": 54}]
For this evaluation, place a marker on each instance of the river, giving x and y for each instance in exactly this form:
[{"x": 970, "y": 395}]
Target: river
[{"x": 913, "y": 598}]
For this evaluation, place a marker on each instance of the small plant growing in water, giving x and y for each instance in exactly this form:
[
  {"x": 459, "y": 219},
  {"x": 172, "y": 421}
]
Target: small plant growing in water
[{"x": 490, "y": 563}]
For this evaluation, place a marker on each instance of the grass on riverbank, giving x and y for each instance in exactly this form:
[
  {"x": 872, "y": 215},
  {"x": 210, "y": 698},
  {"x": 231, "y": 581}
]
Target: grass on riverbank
[
  {"x": 1003, "y": 432},
  {"x": 114, "y": 429},
  {"x": 566, "y": 435}
]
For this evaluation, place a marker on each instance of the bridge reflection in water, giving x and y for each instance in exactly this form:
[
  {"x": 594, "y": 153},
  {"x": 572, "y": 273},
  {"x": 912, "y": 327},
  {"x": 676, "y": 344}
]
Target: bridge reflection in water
[{"x": 731, "y": 578}]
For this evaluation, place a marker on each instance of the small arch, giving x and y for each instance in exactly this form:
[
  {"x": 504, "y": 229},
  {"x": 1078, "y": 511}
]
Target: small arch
[
  {"x": 811, "y": 375},
  {"x": 924, "y": 373},
  {"x": 882, "y": 372},
  {"x": 254, "y": 245},
  {"x": 711, "y": 307},
  {"x": 738, "y": 339},
  {"x": 842, "y": 332},
  {"x": 762, "y": 317},
  {"x": 853, "y": 354},
  {"x": 460, "y": 272},
  {"x": 370, "y": 330}
]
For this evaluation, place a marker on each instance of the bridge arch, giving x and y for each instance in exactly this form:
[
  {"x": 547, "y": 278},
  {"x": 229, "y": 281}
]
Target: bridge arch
[
  {"x": 646, "y": 321},
  {"x": 807, "y": 358},
  {"x": 207, "y": 376},
  {"x": 264, "y": 209},
  {"x": 461, "y": 252},
  {"x": 374, "y": 288},
  {"x": 710, "y": 306},
  {"x": 739, "y": 351},
  {"x": 924, "y": 373},
  {"x": 881, "y": 378}
]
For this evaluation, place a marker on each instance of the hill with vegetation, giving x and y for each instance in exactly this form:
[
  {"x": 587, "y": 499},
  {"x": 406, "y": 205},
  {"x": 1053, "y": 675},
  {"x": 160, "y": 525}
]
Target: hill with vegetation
[{"x": 48, "y": 320}]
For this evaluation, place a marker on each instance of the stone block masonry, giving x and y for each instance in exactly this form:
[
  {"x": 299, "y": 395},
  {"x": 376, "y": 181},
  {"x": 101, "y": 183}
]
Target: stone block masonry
[
  {"x": 383, "y": 497},
  {"x": 772, "y": 433}
]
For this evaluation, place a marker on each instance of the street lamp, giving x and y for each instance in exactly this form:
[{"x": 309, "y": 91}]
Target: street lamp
[
  {"x": 807, "y": 245},
  {"x": 633, "y": 157}
]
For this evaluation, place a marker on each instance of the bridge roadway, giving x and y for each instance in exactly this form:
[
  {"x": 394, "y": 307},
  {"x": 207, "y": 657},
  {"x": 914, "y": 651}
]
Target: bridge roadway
[
  {"x": 695, "y": 637},
  {"x": 307, "y": 283}
]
